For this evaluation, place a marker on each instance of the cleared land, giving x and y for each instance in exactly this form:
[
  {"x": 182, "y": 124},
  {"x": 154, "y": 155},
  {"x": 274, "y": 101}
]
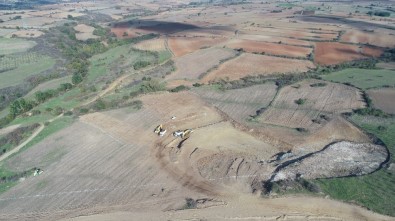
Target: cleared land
[
  {"x": 181, "y": 45},
  {"x": 363, "y": 78},
  {"x": 329, "y": 53},
  {"x": 253, "y": 65},
  {"x": 84, "y": 32},
  {"x": 239, "y": 104},
  {"x": 378, "y": 38},
  {"x": 14, "y": 45},
  {"x": 383, "y": 99},
  {"x": 314, "y": 101},
  {"x": 269, "y": 48},
  {"x": 196, "y": 64}
]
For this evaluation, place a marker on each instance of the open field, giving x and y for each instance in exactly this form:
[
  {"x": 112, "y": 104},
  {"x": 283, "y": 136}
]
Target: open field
[
  {"x": 239, "y": 104},
  {"x": 196, "y": 64},
  {"x": 52, "y": 84},
  {"x": 25, "y": 70},
  {"x": 329, "y": 53},
  {"x": 363, "y": 78},
  {"x": 269, "y": 48},
  {"x": 378, "y": 38},
  {"x": 181, "y": 46},
  {"x": 383, "y": 99},
  {"x": 253, "y": 65},
  {"x": 13, "y": 45},
  {"x": 84, "y": 32},
  {"x": 315, "y": 101}
]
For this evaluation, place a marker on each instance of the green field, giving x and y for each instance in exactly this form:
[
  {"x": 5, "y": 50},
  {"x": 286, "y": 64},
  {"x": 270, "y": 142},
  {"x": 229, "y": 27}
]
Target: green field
[
  {"x": 363, "y": 78},
  {"x": 14, "y": 45},
  {"x": 375, "y": 191},
  {"x": 52, "y": 84},
  {"x": 16, "y": 76}
]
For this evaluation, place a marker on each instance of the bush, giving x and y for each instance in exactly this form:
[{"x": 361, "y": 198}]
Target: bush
[
  {"x": 99, "y": 105},
  {"x": 321, "y": 84},
  {"x": 151, "y": 86},
  {"x": 303, "y": 130},
  {"x": 141, "y": 64},
  {"x": 179, "y": 88},
  {"x": 382, "y": 128},
  {"x": 58, "y": 110},
  {"x": 190, "y": 203},
  {"x": 372, "y": 112},
  {"x": 197, "y": 85},
  {"x": 300, "y": 101},
  {"x": 84, "y": 110}
]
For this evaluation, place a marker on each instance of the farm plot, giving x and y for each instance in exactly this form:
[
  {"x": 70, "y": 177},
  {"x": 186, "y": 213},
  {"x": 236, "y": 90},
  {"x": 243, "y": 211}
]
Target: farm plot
[
  {"x": 84, "y": 32},
  {"x": 298, "y": 33},
  {"x": 184, "y": 45},
  {"x": 253, "y": 65},
  {"x": 194, "y": 65},
  {"x": 26, "y": 33},
  {"x": 275, "y": 39},
  {"x": 14, "y": 76},
  {"x": 383, "y": 99},
  {"x": 239, "y": 104},
  {"x": 378, "y": 38},
  {"x": 157, "y": 44},
  {"x": 302, "y": 105},
  {"x": 269, "y": 48},
  {"x": 363, "y": 78},
  {"x": 329, "y": 53},
  {"x": 15, "y": 45}
]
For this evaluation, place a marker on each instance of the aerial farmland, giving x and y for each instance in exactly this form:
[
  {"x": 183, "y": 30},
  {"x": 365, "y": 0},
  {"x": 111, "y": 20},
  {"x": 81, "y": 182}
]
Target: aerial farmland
[{"x": 197, "y": 110}]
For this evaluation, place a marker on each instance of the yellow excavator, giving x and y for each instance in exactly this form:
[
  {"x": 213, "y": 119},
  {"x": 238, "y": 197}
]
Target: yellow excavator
[
  {"x": 159, "y": 130},
  {"x": 183, "y": 133}
]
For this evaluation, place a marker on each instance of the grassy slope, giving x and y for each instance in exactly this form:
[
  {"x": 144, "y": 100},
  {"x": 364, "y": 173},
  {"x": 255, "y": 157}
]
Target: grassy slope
[
  {"x": 363, "y": 78},
  {"x": 16, "y": 76},
  {"x": 375, "y": 191},
  {"x": 52, "y": 84},
  {"x": 15, "y": 45}
]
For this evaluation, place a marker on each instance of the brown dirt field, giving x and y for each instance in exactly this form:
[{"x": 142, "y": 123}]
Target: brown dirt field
[
  {"x": 192, "y": 65},
  {"x": 119, "y": 32},
  {"x": 181, "y": 46},
  {"x": 300, "y": 33},
  {"x": 252, "y": 65},
  {"x": 157, "y": 44},
  {"x": 383, "y": 99},
  {"x": 376, "y": 38},
  {"x": 330, "y": 99},
  {"x": 255, "y": 208},
  {"x": 329, "y": 53},
  {"x": 269, "y": 48}
]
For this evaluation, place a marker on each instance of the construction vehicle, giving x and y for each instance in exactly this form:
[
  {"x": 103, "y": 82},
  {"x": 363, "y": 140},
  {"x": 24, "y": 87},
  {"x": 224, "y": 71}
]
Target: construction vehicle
[
  {"x": 159, "y": 130},
  {"x": 183, "y": 133}
]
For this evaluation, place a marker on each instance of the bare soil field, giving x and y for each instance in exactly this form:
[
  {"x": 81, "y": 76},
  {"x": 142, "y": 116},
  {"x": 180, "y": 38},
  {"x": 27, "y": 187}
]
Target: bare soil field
[
  {"x": 85, "y": 32},
  {"x": 315, "y": 101},
  {"x": 181, "y": 45},
  {"x": 157, "y": 44},
  {"x": 269, "y": 48},
  {"x": 328, "y": 53},
  {"x": 373, "y": 38},
  {"x": 253, "y": 65},
  {"x": 298, "y": 33},
  {"x": 275, "y": 39},
  {"x": 383, "y": 99},
  {"x": 26, "y": 33},
  {"x": 239, "y": 104},
  {"x": 192, "y": 66}
]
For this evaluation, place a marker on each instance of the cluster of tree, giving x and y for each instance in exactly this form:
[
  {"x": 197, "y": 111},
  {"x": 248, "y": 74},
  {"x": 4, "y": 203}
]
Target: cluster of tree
[
  {"x": 15, "y": 137},
  {"x": 379, "y": 13}
]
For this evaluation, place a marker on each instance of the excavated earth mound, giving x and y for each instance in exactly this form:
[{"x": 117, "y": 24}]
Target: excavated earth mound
[{"x": 336, "y": 160}]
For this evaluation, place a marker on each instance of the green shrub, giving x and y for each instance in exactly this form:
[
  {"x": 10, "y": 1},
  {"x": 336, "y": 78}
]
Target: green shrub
[
  {"x": 151, "y": 86},
  {"x": 179, "y": 88},
  {"x": 300, "y": 101},
  {"x": 141, "y": 64},
  {"x": 320, "y": 84}
]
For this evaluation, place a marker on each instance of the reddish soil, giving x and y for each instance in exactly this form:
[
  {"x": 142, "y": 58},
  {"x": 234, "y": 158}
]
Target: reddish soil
[
  {"x": 329, "y": 53},
  {"x": 270, "y": 48}
]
